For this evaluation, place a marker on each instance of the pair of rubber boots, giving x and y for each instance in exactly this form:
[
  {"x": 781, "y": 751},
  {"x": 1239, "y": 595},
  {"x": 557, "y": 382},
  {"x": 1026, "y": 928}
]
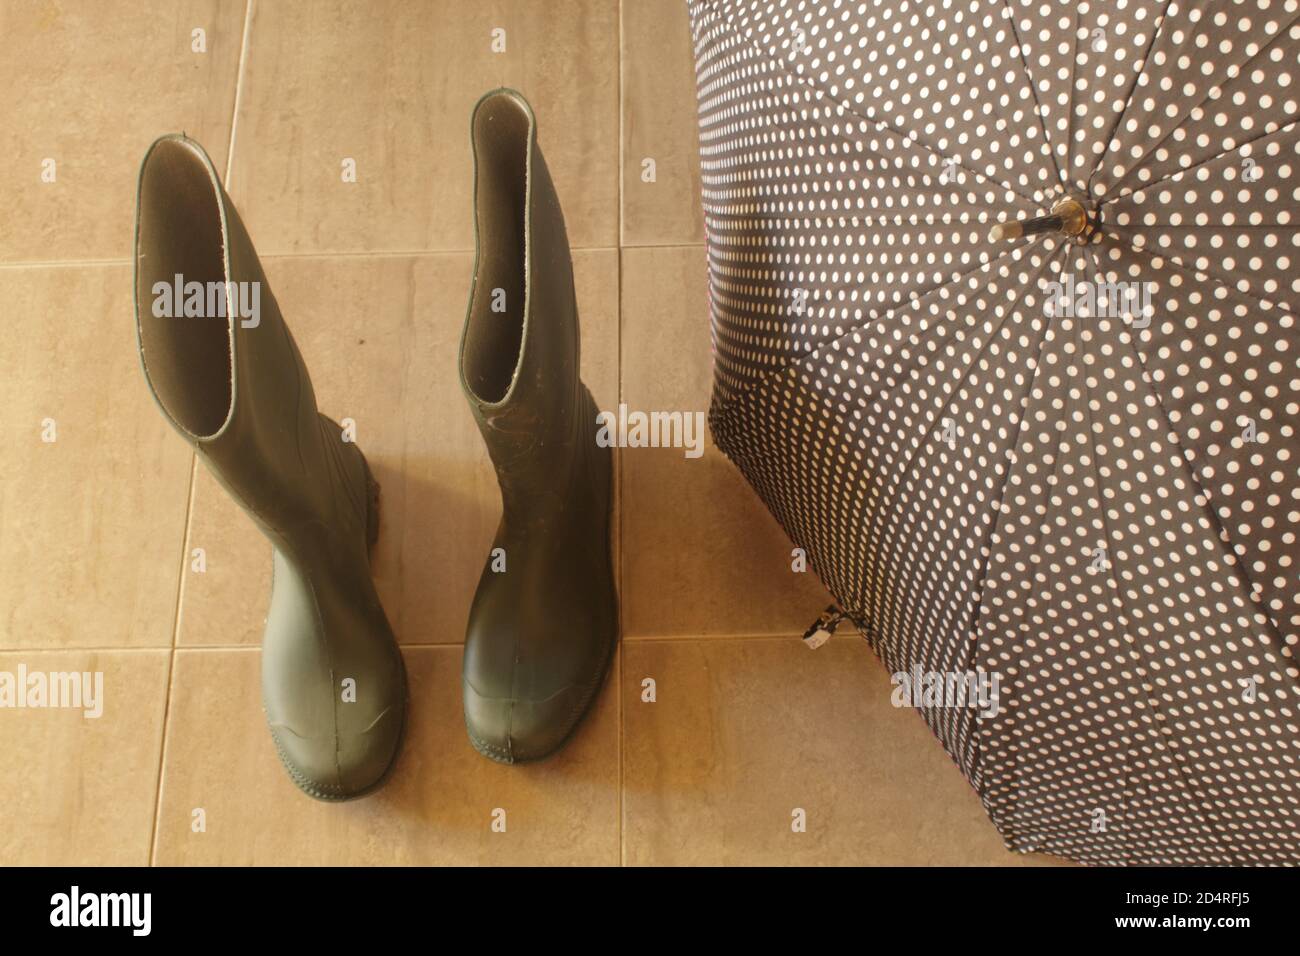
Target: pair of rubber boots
[{"x": 543, "y": 624}]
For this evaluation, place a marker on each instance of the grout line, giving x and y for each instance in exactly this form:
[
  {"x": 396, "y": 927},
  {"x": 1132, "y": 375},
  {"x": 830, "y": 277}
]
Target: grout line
[
  {"x": 791, "y": 636},
  {"x": 693, "y": 244},
  {"x": 405, "y": 253},
  {"x": 392, "y": 253},
  {"x": 61, "y": 263},
  {"x": 622, "y": 130},
  {"x": 378, "y": 254},
  {"x": 171, "y": 664},
  {"x": 624, "y": 639},
  {"x": 239, "y": 89},
  {"x": 162, "y": 758},
  {"x": 78, "y": 649},
  {"x": 618, "y": 473},
  {"x": 220, "y": 649}
]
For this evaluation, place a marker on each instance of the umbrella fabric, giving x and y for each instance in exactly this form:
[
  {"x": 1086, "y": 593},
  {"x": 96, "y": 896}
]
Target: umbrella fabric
[{"x": 1070, "y": 465}]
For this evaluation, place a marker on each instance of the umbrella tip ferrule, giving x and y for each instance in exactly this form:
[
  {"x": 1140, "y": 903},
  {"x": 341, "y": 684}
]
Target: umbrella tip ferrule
[{"x": 1006, "y": 230}]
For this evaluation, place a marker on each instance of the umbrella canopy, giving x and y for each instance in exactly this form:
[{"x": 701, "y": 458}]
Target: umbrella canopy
[{"x": 1061, "y": 450}]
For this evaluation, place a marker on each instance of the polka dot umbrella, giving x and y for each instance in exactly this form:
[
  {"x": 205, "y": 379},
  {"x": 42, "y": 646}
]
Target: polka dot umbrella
[{"x": 1002, "y": 296}]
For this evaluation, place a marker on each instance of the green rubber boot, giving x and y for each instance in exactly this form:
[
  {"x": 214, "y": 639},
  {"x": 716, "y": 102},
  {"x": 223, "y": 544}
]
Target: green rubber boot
[
  {"x": 544, "y": 622},
  {"x": 226, "y": 373}
]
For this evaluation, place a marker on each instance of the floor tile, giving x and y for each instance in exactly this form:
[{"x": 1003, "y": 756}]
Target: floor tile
[
  {"x": 391, "y": 86},
  {"x": 437, "y": 808},
  {"x": 380, "y": 337},
  {"x": 79, "y": 790},
  {"x": 701, "y": 555},
  {"x": 742, "y": 733},
  {"x": 90, "y": 86},
  {"x": 661, "y": 205},
  {"x": 92, "y": 521}
]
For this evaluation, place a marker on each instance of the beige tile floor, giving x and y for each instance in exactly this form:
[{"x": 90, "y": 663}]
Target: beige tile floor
[{"x": 98, "y": 528}]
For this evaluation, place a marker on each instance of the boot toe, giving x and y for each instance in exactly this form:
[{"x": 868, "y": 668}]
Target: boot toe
[
  {"x": 515, "y": 730},
  {"x": 340, "y": 767}
]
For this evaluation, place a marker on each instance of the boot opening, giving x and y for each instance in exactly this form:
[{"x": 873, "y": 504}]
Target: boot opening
[
  {"x": 494, "y": 334},
  {"x": 186, "y": 351}
]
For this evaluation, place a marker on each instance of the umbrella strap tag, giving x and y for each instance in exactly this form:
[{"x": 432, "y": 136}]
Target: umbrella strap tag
[{"x": 820, "y": 631}]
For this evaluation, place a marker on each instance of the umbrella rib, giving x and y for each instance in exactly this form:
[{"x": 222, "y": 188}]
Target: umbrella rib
[
  {"x": 909, "y": 609},
  {"x": 986, "y": 549},
  {"x": 1119, "y": 592},
  {"x": 726, "y": 18},
  {"x": 1034, "y": 92},
  {"x": 1207, "y": 272},
  {"x": 1074, "y": 81},
  {"x": 1022, "y": 629},
  {"x": 1182, "y": 120},
  {"x": 1132, "y": 92},
  {"x": 1267, "y": 132},
  {"x": 1200, "y": 275},
  {"x": 1006, "y": 476},
  {"x": 1207, "y": 509},
  {"x": 1126, "y": 851},
  {"x": 806, "y": 357}
]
